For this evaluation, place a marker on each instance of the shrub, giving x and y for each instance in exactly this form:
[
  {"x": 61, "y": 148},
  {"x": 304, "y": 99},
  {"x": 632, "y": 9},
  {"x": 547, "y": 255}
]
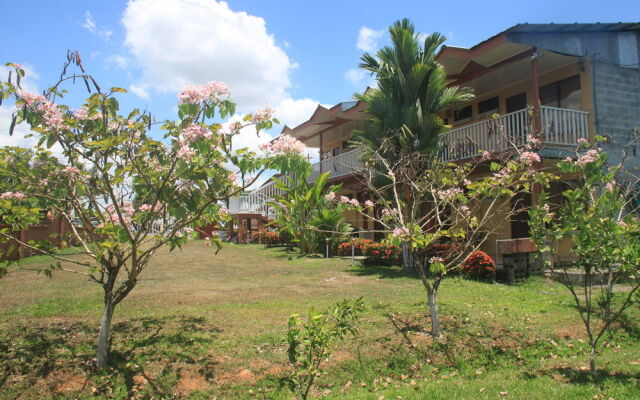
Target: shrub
[
  {"x": 479, "y": 266},
  {"x": 382, "y": 254},
  {"x": 344, "y": 248}
]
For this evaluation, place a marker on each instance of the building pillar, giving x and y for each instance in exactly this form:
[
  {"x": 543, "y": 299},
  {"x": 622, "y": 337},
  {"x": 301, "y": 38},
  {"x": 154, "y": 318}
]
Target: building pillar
[
  {"x": 320, "y": 152},
  {"x": 535, "y": 91}
]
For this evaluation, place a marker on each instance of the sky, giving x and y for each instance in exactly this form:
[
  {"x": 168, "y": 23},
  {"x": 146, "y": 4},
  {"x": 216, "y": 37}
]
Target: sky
[{"x": 290, "y": 54}]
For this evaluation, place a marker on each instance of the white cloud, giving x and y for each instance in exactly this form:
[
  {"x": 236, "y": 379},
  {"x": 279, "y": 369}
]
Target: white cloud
[
  {"x": 294, "y": 112},
  {"x": 139, "y": 91},
  {"x": 20, "y": 133},
  {"x": 355, "y": 76},
  {"x": 368, "y": 39},
  {"x": 118, "y": 60},
  {"x": 90, "y": 25},
  {"x": 178, "y": 43}
]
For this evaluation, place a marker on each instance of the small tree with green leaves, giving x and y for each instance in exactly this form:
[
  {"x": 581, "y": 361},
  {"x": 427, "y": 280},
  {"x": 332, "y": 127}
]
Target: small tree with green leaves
[
  {"x": 124, "y": 193},
  {"x": 589, "y": 239},
  {"x": 303, "y": 210},
  {"x": 312, "y": 342}
]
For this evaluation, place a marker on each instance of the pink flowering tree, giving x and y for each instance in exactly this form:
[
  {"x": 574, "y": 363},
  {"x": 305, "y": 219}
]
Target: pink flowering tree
[
  {"x": 420, "y": 200},
  {"x": 592, "y": 228},
  {"x": 124, "y": 192}
]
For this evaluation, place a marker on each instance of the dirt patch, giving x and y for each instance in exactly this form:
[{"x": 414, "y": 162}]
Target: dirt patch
[
  {"x": 69, "y": 383},
  {"x": 191, "y": 381},
  {"x": 574, "y": 331},
  {"x": 241, "y": 376}
]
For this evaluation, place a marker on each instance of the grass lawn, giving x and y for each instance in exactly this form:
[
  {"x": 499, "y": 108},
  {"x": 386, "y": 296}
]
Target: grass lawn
[{"x": 202, "y": 326}]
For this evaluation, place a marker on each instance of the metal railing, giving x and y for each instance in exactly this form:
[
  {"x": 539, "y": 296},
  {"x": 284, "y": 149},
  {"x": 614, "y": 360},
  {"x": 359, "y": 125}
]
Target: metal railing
[{"x": 559, "y": 127}]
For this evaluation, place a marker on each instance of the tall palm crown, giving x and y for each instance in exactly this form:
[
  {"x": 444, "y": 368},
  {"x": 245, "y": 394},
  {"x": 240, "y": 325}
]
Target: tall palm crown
[{"x": 412, "y": 91}]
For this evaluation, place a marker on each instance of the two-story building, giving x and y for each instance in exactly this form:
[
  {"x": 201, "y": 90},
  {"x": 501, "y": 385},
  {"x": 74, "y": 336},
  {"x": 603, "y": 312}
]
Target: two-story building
[{"x": 582, "y": 80}]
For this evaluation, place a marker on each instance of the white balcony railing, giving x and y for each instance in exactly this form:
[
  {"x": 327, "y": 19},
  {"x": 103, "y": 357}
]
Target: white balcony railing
[{"x": 559, "y": 126}]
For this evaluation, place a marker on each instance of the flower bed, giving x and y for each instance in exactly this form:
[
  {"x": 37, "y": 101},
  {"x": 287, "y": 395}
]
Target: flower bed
[
  {"x": 479, "y": 266},
  {"x": 381, "y": 254},
  {"x": 344, "y": 248}
]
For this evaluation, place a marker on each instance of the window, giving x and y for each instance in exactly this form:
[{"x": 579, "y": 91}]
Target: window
[
  {"x": 462, "y": 114},
  {"x": 489, "y": 106},
  {"x": 564, "y": 94}
]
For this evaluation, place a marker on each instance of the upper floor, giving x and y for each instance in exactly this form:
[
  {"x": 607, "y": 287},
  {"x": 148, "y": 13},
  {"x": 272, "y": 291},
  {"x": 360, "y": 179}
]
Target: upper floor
[{"x": 559, "y": 79}]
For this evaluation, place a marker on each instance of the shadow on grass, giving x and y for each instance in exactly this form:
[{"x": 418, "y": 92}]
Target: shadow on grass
[
  {"x": 32, "y": 353},
  {"x": 382, "y": 272},
  {"x": 581, "y": 376}
]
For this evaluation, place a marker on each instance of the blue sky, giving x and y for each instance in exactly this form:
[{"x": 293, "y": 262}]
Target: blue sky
[{"x": 291, "y": 54}]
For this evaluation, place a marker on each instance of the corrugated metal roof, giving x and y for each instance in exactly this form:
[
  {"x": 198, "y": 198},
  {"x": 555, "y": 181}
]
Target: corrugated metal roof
[
  {"x": 574, "y": 28},
  {"x": 566, "y": 28}
]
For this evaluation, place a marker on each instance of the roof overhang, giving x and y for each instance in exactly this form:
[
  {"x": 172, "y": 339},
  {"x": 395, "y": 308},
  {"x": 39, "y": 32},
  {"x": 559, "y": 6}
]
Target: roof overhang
[{"x": 325, "y": 120}]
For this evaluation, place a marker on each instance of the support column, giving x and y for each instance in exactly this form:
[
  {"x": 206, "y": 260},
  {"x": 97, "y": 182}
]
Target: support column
[
  {"x": 320, "y": 152},
  {"x": 535, "y": 91}
]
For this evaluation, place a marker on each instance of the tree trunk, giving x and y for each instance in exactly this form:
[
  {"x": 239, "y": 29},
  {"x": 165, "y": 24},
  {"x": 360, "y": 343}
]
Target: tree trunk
[
  {"x": 592, "y": 359},
  {"x": 407, "y": 258},
  {"x": 433, "y": 310},
  {"x": 105, "y": 330}
]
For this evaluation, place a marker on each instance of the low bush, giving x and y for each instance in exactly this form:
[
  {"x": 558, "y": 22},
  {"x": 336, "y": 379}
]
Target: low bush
[
  {"x": 344, "y": 248},
  {"x": 269, "y": 238},
  {"x": 479, "y": 266},
  {"x": 381, "y": 254}
]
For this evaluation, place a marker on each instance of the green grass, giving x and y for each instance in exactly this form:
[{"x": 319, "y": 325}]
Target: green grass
[{"x": 201, "y": 326}]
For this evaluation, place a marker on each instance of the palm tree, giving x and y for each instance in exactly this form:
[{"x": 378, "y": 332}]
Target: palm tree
[{"x": 412, "y": 92}]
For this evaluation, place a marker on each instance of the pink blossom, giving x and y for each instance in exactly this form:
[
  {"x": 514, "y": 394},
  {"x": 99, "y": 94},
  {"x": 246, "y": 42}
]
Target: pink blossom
[
  {"x": 354, "y": 202},
  {"x": 31, "y": 99},
  {"x": 622, "y": 224},
  {"x": 369, "y": 204},
  {"x": 71, "y": 170},
  {"x": 530, "y": 158},
  {"x": 330, "y": 196},
  {"x": 284, "y": 144},
  {"x": 434, "y": 260},
  {"x": 188, "y": 230},
  {"x": 583, "y": 142},
  {"x": 388, "y": 213},
  {"x": 194, "y": 132},
  {"x": 262, "y": 115},
  {"x": 467, "y": 182},
  {"x": 83, "y": 114},
  {"x": 486, "y": 155},
  {"x": 223, "y": 211},
  {"x": 232, "y": 177},
  {"x": 145, "y": 207},
  {"x": 344, "y": 199},
  {"x": 448, "y": 193},
  {"x": 588, "y": 157},
  {"x": 533, "y": 141},
  {"x": 399, "y": 232},
  {"x": 197, "y": 94},
  {"x": 13, "y": 195},
  {"x": 464, "y": 210},
  {"x": 185, "y": 153},
  {"x": 609, "y": 187},
  {"x": 126, "y": 211}
]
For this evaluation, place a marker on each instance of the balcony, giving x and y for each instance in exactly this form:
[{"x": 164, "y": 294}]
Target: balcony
[{"x": 560, "y": 127}]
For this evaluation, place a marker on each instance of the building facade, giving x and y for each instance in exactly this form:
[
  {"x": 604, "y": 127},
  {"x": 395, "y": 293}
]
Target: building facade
[{"x": 581, "y": 80}]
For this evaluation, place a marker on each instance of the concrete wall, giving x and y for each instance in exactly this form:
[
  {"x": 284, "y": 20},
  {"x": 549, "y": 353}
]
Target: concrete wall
[{"x": 616, "y": 104}]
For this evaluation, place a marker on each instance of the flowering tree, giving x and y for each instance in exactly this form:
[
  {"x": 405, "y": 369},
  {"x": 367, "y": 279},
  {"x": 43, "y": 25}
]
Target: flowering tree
[
  {"x": 124, "y": 193},
  {"x": 424, "y": 200},
  {"x": 593, "y": 230}
]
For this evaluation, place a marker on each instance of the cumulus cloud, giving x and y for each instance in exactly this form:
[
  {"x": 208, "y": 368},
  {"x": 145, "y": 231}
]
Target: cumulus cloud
[
  {"x": 368, "y": 39},
  {"x": 90, "y": 25},
  {"x": 190, "y": 42}
]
